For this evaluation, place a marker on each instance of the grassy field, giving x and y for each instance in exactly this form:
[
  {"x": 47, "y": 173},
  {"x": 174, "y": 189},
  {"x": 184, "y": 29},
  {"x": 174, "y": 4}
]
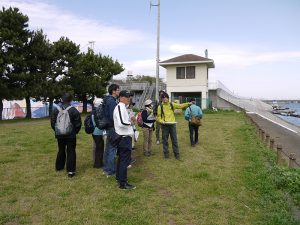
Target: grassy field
[{"x": 223, "y": 181}]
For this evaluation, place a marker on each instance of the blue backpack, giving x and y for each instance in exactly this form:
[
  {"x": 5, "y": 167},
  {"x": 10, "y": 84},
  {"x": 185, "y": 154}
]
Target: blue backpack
[{"x": 89, "y": 125}]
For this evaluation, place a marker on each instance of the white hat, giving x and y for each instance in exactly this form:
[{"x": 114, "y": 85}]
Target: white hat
[
  {"x": 97, "y": 102},
  {"x": 148, "y": 102}
]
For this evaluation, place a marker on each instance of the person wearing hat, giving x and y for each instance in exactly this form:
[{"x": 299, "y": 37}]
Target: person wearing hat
[
  {"x": 193, "y": 110},
  {"x": 148, "y": 126},
  {"x": 131, "y": 114},
  {"x": 166, "y": 117},
  {"x": 67, "y": 142},
  {"x": 122, "y": 125},
  {"x": 98, "y": 146}
]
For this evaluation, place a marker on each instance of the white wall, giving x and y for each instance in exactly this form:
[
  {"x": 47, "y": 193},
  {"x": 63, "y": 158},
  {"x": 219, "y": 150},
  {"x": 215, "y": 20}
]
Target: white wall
[{"x": 199, "y": 84}]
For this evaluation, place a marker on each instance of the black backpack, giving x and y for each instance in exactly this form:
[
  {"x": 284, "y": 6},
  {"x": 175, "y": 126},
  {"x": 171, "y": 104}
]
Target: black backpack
[
  {"x": 100, "y": 118},
  {"x": 88, "y": 125}
]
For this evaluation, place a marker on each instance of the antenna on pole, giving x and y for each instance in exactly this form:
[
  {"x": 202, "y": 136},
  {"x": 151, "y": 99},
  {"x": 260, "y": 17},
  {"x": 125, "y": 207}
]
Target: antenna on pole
[
  {"x": 157, "y": 48},
  {"x": 92, "y": 45}
]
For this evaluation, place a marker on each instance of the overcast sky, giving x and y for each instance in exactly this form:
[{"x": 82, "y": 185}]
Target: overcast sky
[{"x": 254, "y": 43}]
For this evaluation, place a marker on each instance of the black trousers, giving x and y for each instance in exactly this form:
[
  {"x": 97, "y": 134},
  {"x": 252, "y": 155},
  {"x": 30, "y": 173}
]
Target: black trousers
[
  {"x": 99, "y": 150},
  {"x": 193, "y": 130},
  {"x": 124, "y": 157},
  {"x": 66, "y": 149}
]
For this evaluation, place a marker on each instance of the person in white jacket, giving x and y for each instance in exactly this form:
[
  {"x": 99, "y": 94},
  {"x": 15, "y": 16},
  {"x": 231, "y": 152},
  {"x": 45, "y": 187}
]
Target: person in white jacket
[{"x": 122, "y": 125}]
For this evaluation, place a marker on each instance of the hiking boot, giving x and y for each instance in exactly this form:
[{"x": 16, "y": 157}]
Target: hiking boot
[
  {"x": 127, "y": 186},
  {"x": 71, "y": 174},
  {"x": 177, "y": 157}
]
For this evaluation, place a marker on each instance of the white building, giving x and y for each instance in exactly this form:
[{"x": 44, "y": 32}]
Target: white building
[{"x": 187, "y": 76}]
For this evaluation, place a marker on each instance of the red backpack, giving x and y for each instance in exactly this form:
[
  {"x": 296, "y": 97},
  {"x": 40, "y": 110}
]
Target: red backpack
[{"x": 139, "y": 119}]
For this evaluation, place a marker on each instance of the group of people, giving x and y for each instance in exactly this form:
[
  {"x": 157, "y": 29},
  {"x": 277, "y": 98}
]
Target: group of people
[{"x": 120, "y": 121}]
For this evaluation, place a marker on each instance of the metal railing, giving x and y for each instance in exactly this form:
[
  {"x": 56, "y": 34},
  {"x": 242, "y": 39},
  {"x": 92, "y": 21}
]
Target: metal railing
[{"x": 143, "y": 97}]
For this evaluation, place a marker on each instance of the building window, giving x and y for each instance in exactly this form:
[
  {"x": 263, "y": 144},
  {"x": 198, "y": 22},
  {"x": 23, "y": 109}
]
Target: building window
[
  {"x": 180, "y": 72},
  {"x": 190, "y": 72},
  {"x": 185, "y": 72}
]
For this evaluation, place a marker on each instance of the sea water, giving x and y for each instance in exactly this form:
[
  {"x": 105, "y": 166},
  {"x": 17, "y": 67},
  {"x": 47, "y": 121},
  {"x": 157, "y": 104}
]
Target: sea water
[{"x": 291, "y": 119}]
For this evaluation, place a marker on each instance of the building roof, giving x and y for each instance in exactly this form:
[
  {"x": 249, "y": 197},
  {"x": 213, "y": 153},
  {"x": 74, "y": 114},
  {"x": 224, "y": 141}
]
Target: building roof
[{"x": 188, "y": 59}]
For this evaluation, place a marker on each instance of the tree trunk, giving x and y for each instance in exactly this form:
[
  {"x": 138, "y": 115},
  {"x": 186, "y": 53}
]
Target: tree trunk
[
  {"x": 28, "y": 108},
  {"x": 84, "y": 105},
  {"x": 1, "y": 108},
  {"x": 50, "y": 106}
]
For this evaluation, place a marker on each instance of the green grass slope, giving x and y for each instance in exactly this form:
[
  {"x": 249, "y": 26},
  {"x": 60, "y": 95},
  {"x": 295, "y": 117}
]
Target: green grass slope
[{"x": 224, "y": 180}]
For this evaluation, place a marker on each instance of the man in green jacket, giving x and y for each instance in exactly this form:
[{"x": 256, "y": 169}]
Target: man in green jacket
[{"x": 166, "y": 117}]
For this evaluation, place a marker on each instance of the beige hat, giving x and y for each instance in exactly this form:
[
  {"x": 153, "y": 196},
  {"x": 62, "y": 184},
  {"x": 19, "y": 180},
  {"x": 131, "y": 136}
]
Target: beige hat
[
  {"x": 97, "y": 102},
  {"x": 148, "y": 102}
]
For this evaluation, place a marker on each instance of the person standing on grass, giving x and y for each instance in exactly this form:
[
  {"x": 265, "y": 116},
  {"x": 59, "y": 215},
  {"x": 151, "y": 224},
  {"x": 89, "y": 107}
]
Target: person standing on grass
[
  {"x": 131, "y": 115},
  {"x": 122, "y": 125},
  {"x": 166, "y": 117},
  {"x": 193, "y": 110},
  {"x": 98, "y": 138},
  {"x": 148, "y": 127},
  {"x": 157, "y": 125},
  {"x": 66, "y": 122},
  {"x": 110, "y": 103}
]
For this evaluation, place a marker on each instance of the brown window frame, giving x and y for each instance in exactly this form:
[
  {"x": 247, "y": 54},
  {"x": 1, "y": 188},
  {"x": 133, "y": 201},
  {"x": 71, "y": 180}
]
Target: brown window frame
[
  {"x": 185, "y": 75},
  {"x": 192, "y": 75},
  {"x": 180, "y": 76}
]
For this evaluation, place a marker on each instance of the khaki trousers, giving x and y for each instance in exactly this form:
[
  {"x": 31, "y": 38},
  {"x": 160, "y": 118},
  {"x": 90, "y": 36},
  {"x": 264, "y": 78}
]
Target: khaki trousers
[{"x": 147, "y": 140}]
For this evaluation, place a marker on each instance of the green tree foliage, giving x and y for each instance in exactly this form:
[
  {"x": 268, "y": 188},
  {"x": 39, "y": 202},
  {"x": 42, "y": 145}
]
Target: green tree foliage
[
  {"x": 37, "y": 67},
  {"x": 91, "y": 75},
  {"x": 150, "y": 79},
  {"x": 30, "y": 66},
  {"x": 13, "y": 40},
  {"x": 64, "y": 54}
]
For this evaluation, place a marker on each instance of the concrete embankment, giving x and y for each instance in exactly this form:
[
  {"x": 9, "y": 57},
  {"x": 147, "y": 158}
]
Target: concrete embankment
[{"x": 287, "y": 136}]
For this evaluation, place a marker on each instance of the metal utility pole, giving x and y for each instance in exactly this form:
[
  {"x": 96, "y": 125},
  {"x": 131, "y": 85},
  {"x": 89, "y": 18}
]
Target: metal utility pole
[{"x": 157, "y": 49}]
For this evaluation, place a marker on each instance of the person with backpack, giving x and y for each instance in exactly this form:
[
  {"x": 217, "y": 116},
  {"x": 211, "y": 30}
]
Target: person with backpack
[
  {"x": 110, "y": 102},
  {"x": 66, "y": 122},
  {"x": 148, "y": 127},
  {"x": 166, "y": 117},
  {"x": 157, "y": 125},
  {"x": 193, "y": 114},
  {"x": 98, "y": 146}
]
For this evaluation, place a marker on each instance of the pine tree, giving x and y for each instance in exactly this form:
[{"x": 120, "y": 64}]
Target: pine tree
[
  {"x": 13, "y": 40},
  {"x": 91, "y": 75}
]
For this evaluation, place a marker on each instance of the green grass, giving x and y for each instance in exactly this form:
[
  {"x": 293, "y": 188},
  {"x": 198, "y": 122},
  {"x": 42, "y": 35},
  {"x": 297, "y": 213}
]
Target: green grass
[{"x": 225, "y": 180}]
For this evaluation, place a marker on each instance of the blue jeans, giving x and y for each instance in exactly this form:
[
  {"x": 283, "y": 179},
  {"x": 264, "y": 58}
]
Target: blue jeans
[{"x": 109, "y": 159}]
